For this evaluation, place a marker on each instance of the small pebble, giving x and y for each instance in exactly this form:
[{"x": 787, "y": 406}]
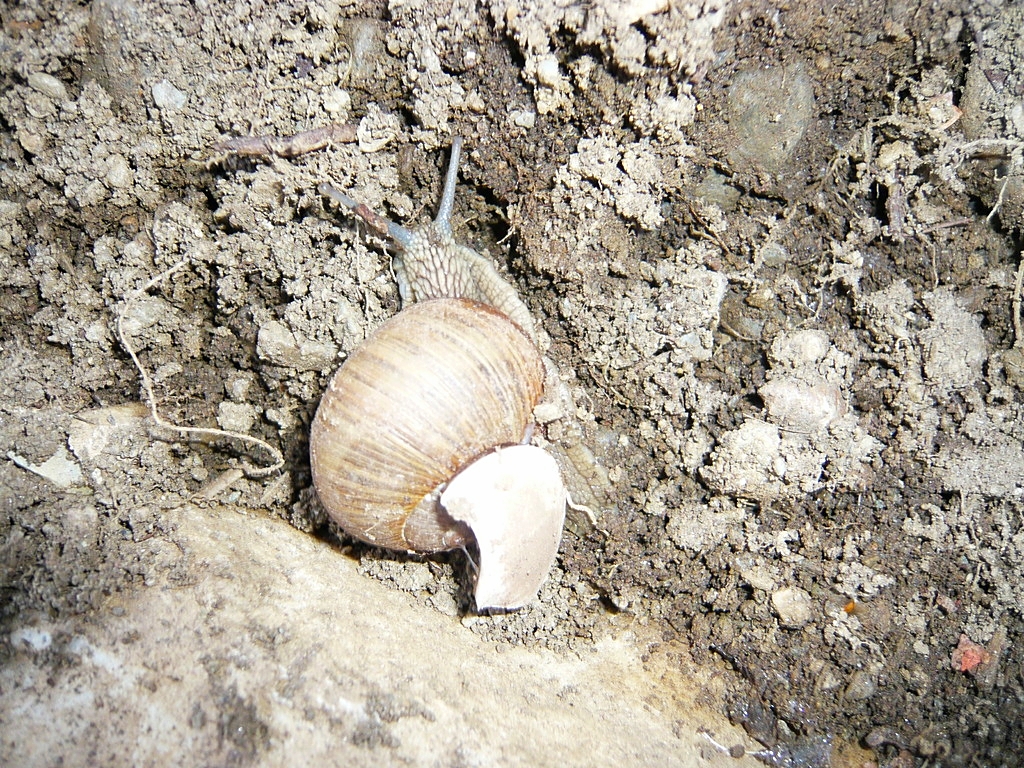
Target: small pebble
[
  {"x": 31, "y": 142},
  {"x": 167, "y": 97},
  {"x": 119, "y": 173},
  {"x": 336, "y": 101},
  {"x": 862, "y": 686},
  {"x": 793, "y": 606},
  {"x": 801, "y": 406},
  {"x": 277, "y": 344},
  {"x": 237, "y": 388},
  {"x": 236, "y": 417},
  {"x": 48, "y": 85},
  {"x": 524, "y": 119},
  {"x": 547, "y": 72}
]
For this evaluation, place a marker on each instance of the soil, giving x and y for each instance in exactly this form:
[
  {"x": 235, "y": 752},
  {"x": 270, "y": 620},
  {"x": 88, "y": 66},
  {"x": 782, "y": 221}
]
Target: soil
[{"x": 776, "y": 250}]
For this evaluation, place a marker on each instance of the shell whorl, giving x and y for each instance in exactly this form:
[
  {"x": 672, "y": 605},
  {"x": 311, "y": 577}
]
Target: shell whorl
[{"x": 436, "y": 386}]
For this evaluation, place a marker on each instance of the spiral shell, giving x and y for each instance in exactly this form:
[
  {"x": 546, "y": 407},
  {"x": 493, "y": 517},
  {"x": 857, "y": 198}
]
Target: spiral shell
[{"x": 438, "y": 385}]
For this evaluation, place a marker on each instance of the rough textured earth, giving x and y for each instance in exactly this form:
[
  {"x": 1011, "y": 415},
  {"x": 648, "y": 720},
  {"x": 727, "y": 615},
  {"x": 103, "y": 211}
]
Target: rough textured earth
[{"x": 777, "y": 250}]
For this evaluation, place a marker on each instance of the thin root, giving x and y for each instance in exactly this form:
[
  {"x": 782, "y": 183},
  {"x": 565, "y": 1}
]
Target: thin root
[
  {"x": 1018, "y": 336},
  {"x": 999, "y": 200},
  {"x": 147, "y": 383},
  {"x": 583, "y": 508},
  {"x": 735, "y": 751}
]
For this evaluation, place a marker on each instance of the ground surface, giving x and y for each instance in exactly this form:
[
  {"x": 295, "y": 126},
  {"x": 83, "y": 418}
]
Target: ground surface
[{"x": 776, "y": 253}]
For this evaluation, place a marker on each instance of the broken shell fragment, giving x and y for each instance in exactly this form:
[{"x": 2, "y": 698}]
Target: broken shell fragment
[{"x": 514, "y": 502}]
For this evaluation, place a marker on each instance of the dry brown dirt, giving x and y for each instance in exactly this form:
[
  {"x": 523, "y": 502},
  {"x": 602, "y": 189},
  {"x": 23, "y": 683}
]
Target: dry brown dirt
[{"x": 777, "y": 251}]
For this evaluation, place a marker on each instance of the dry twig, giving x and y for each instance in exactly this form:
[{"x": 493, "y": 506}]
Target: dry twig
[{"x": 288, "y": 146}]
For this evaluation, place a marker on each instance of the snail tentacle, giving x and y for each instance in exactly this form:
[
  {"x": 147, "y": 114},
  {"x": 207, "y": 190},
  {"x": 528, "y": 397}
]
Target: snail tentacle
[
  {"x": 432, "y": 265},
  {"x": 443, "y": 221}
]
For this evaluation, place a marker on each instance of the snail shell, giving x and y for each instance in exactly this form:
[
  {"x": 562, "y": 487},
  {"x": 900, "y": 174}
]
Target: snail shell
[{"x": 440, "y": 384}]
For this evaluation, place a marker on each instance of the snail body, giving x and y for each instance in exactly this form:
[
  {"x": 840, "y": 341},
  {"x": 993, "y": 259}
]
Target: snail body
[
  {"x": 417, "y": 442},
  {"x": 438, "y": 385},
  {"x": 430, "y": 264}
]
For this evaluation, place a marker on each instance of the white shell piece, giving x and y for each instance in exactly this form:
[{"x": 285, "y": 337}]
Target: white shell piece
[{"x": 513, "y": 500}]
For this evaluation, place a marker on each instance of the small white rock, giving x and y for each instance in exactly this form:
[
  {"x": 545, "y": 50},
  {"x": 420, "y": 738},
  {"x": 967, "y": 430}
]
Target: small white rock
[
  {"x": 237, "y": 388},
  {"x": 793, "y": 606},
  {"x": 236, "y": 417},
  {"x": 31, "y": 142},
  {"x": 167, "y": 97},
  {"x": 547, "y": 71},
  {"x": 336, "y": 101},
  {"x": 119, "y": 173},
  {"x": 524, "y": 119},
  {"x": 48, "y": 85},
  {"x": 60, "y": 469},
  {"x": 756, "y": 575}
]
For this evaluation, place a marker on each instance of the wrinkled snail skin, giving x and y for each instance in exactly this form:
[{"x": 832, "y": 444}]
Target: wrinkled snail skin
[
  {"x": 415, "y": 444},
  {"x": 439, "y": 384}
]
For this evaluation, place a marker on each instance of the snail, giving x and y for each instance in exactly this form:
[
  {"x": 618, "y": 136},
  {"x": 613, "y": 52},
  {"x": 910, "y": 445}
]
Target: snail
[{"x": 419, "y": 442}]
